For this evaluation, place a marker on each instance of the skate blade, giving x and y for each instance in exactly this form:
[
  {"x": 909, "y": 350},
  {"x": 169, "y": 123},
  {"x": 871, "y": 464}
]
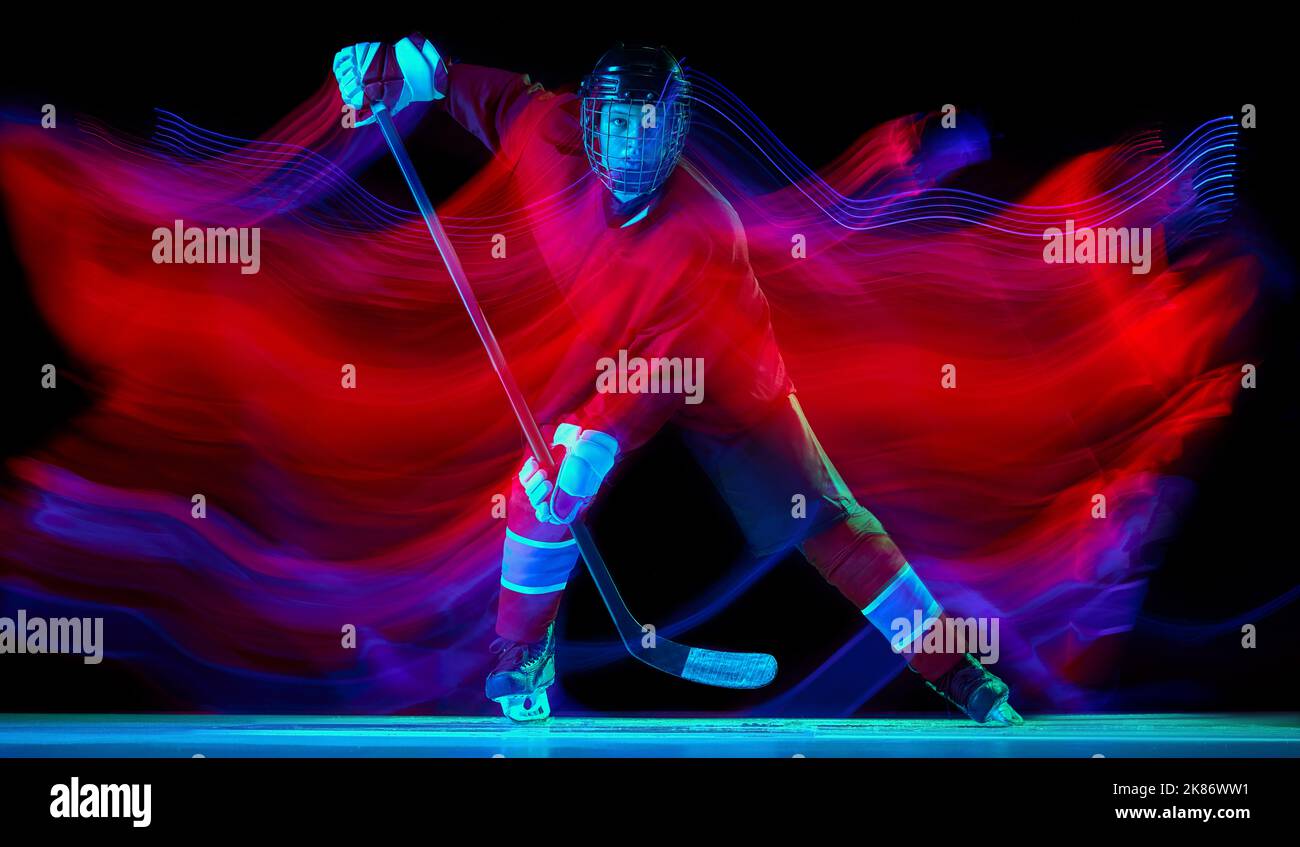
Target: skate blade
[
  {"x": 1004, "y": 715},
  {"x": 526, "y": 707}
]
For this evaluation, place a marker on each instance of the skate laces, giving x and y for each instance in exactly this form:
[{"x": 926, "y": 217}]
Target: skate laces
[{"x": 521, "y": 653}]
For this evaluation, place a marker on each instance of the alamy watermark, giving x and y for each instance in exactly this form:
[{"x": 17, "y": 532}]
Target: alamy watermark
[
  {"x": 977, "y": 636},
  {"x": 215, "y": 245},
  {"x": 72, "y": 799},
  {"x": 23, "y": 634},
  {"x": 1105, "y": 245},
  {"x": 656, "y": 375}
]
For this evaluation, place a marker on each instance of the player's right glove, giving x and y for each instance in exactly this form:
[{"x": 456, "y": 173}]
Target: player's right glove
[
  {"x": 410, "y": 71},
  {"x": 588, "y": 456}
]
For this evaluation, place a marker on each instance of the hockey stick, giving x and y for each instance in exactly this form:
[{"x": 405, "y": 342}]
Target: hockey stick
[{"x": 710, "y": 667}]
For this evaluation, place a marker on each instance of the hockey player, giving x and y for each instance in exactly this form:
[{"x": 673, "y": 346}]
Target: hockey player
[{"x": 665, "y": 252}]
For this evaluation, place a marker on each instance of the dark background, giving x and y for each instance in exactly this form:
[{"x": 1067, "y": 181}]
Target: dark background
[{"x": 1046, "y": 88}]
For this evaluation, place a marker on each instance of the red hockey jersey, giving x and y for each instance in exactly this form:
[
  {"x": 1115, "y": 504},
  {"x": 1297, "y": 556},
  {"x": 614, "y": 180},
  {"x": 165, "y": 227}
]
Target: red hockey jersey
[{"x": 669, "y": 319}]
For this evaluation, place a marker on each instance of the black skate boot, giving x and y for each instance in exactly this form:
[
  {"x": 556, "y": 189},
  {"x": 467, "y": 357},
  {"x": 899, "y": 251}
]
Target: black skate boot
[
  {"x": 521, "y": 677},
  {"x": 981, "y": 695}
]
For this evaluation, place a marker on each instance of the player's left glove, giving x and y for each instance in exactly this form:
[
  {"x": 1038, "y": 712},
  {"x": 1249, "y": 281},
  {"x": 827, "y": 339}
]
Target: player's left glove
[{"x": 588, "y": 457}]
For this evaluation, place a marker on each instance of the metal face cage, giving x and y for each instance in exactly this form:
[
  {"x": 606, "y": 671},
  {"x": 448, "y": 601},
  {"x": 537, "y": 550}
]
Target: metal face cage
[{"x": 634, "y": 125}]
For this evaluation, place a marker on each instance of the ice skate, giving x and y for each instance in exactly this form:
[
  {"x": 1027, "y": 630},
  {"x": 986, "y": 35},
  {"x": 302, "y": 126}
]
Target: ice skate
[
  {"x": 982, "y": 696},
  {"x": 522, "y": 674}
]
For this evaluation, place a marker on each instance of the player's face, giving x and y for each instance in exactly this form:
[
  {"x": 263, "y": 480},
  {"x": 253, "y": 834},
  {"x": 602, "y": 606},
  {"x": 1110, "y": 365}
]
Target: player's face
[{"x": 630, "y": 139}]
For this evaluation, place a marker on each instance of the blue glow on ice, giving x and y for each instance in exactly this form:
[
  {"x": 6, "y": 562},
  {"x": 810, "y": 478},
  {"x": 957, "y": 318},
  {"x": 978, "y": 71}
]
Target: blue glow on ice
[{"x": 1083, "y": 736}]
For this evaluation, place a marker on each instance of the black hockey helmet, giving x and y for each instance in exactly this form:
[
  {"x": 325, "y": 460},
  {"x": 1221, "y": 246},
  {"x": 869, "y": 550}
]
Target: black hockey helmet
[{"x": 634, "y": 157}]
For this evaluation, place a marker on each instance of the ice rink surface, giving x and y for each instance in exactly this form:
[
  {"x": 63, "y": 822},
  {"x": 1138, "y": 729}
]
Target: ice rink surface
[{"x": 1113, "y": 735}]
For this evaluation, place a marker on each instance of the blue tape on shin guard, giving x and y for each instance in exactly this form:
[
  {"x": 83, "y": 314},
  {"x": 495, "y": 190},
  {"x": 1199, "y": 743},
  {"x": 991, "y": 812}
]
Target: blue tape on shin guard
[
  {"x": 902, "y": 608},
  {"x": 536, "y": 567}
]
